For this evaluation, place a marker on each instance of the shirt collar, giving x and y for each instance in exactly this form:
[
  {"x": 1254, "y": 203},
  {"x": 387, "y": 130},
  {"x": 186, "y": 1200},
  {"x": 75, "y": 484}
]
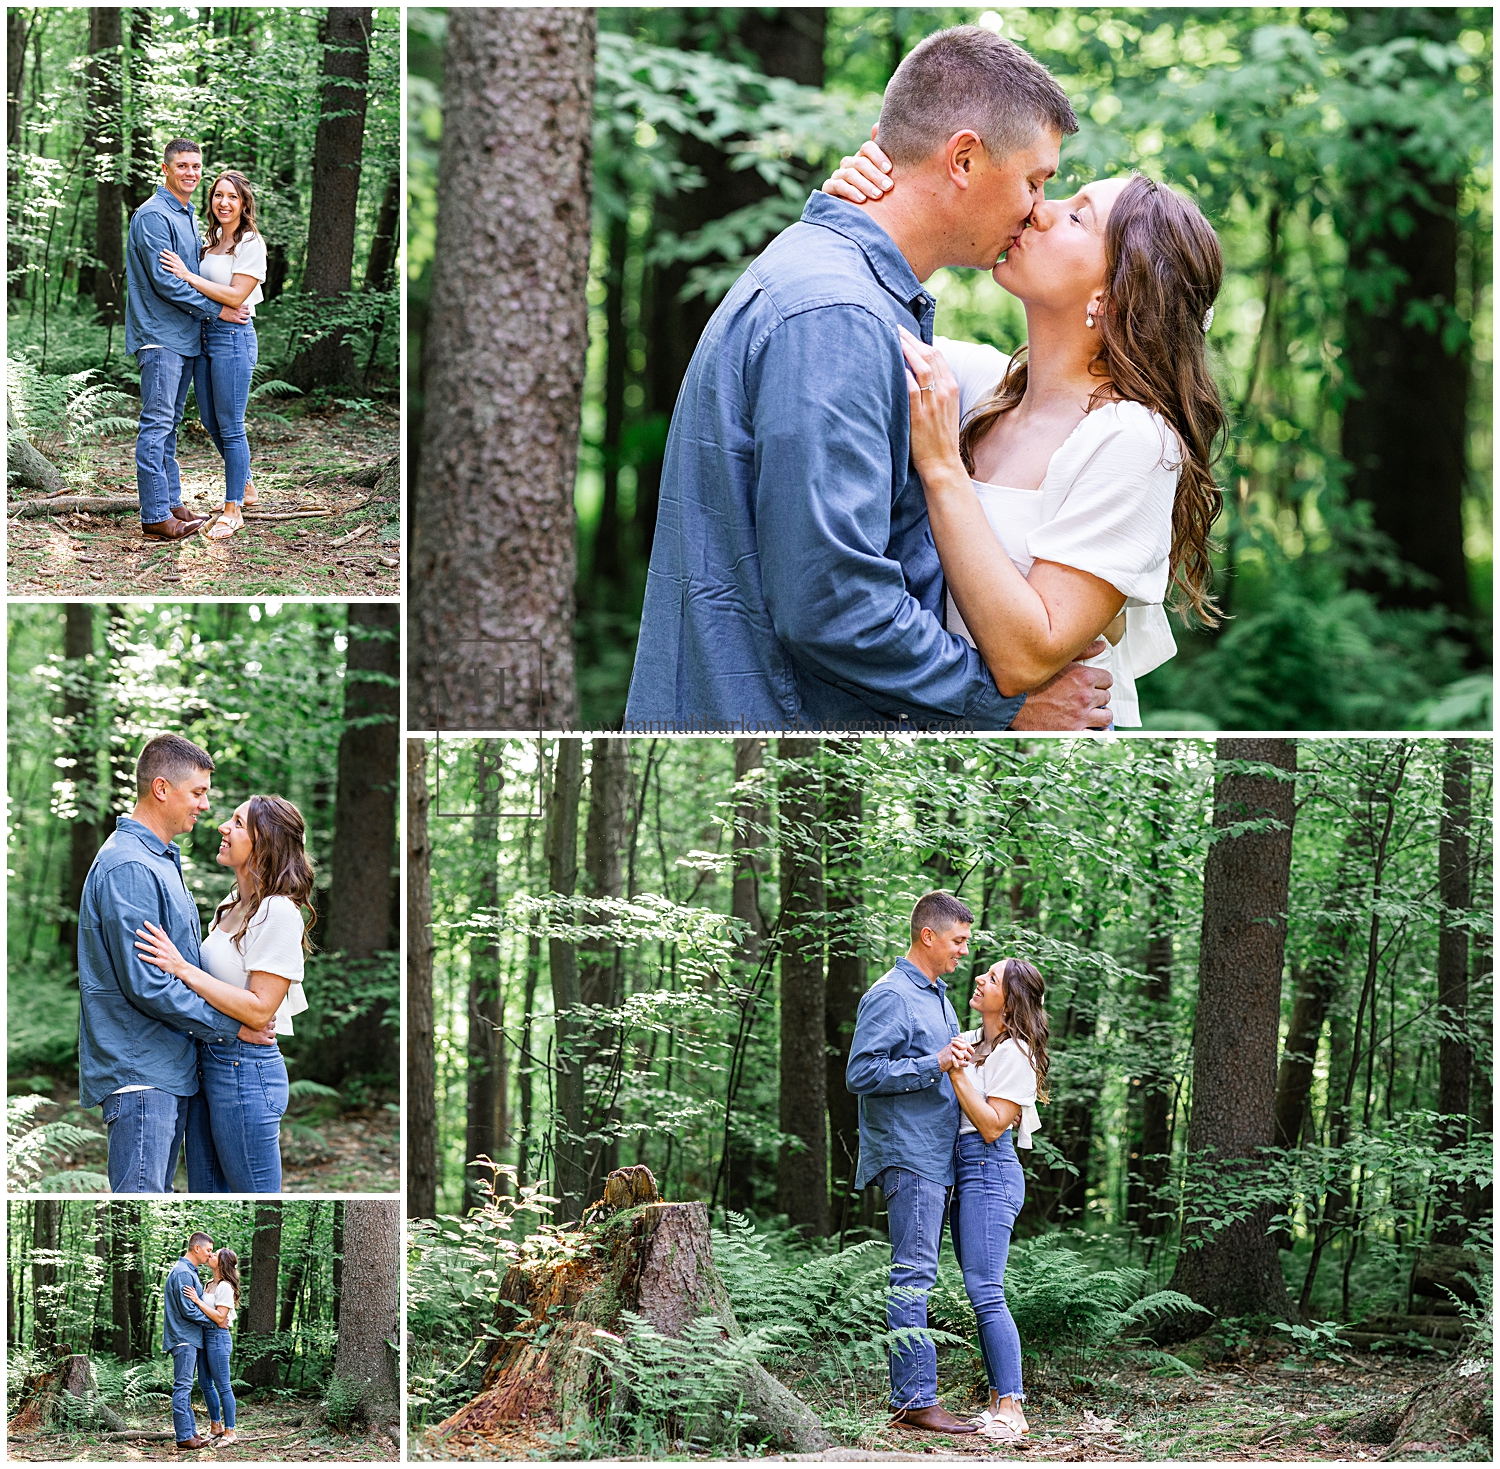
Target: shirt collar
[
  {"x": 889, "y": 264},
  {"x": 143, "y": 833},
  {"x": 163, "y": 192},
  {"x": 919, "y": 979}
]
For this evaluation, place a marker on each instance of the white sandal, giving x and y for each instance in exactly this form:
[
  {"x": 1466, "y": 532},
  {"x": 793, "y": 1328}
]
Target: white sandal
[{"x": 223, "y": 527}]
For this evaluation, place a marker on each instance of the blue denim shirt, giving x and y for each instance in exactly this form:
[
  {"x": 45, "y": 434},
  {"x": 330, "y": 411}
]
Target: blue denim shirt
[
  {"x": 137, "y": 1026},
  {"x": 160, "y": 310},
  {"x": 908, "y": 1114},
  {"x": 793, "y": 581},
  {"x": 182, "y": 1324}
]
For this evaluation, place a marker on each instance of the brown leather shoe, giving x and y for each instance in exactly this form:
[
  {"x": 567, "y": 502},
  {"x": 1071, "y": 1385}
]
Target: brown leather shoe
[
  {"x": 172, "y": 529},
  {"x": 181, "y": 512},
  {"x": 935, "y": 1419},
  {"x": 197, "y": 1441}
]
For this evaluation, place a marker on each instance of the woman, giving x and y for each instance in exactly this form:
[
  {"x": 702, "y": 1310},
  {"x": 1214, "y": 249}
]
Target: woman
[
  {"x": 1071, "y": 487},
  {"x": 233, "y": 266},
  {"x": 252, "y": 971},
  {"x": 997, "y": 1094},
  {"x": 220, "y": 1306}
]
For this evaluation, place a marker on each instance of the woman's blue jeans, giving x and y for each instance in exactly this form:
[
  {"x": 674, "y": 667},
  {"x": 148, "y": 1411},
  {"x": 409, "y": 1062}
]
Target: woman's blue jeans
[
  {"x": 213, "y": 1374},
  {"x": 234, "y": 1122},
  {"x": 989, "y": 1191},
  {"x": 221, "y": 378}
]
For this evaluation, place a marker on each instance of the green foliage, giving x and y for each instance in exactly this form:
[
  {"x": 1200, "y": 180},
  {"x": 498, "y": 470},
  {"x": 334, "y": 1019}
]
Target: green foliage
[
  {"x": 1318, "y": 1339},
  {"x": 62, "y": 415},
  {"x": 35, "y": 1149},
  {"x": 342, "y": 1400}
]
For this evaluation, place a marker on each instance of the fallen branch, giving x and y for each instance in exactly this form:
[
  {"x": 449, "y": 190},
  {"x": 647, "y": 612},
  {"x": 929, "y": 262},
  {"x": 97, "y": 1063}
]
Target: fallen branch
[
  {"x": 312, "y": 510},
  {"x": 27, "y": 465},
  {"x": 353, "y": 535},
  {"x": 95, "y": 504},
  {"x": 137, "y": 1435}
]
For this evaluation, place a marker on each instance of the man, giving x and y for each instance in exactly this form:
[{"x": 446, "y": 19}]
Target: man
[
  {"x": 164, "y": 320},
  {"x": 182, "y": 1337},
  {"x": 906, "y": 1041},
  {"x": 793, "y": 579},
  {"x": 138, "y": 1027}
]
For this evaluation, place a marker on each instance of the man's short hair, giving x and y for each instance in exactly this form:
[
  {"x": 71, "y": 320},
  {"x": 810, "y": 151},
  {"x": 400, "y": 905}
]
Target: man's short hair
[
  {"x": 197, "y": 1238},
  {"x": 968, "y": 77},
  {"x": 172, "y": 757},
  {"x": 179, "y": 145},
  {"x": 938, "y": 911}
]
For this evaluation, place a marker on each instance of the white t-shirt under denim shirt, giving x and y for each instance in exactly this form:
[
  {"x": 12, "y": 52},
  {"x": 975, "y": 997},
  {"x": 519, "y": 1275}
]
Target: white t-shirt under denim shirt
[
  {"x": 1006, "y": 1073},
  {"x": 273, "y": 945},
  {"x": 1105, "y": 507},
  {"x": 249, "y": 258}
]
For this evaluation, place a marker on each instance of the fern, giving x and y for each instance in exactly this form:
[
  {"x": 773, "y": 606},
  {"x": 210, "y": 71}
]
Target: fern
[
  {"x": 60, "y": 413},
  {"x": 36, "y": 1149}
]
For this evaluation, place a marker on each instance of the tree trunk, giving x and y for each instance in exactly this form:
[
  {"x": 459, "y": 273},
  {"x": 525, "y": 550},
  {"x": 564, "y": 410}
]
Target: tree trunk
[
  {"x": 1448, "y": 1413},
  {"x": 1246, "y": 879},
  {"x": 380, "y": 268},
  {"x": 338, "y": 1259},
  {"x": 142, "y": 170},
  {"x": 337, "y": 153},
  {"x": 846, "y": 974},
  {"x": 78, "y": 718},
  {"x": 297, "y": 1276},
  {"x": 601, "y": 977},
  {"x": 24, "y": 465},
  {"x": 644, "y": 1256},
  {"x": 107, "y": 124},
  {"x": 369, "y": 1344},
  {"x": 124, "y": 1279},
  {"x": 362, "y": 897},
  {"x": 46, "y": 1215},
  {"x": 421, "y": 1034},
  {"x": 43, "y": 1406},
  {"x": 265, "y": 1266},
  {"x": 100, "y": 1339},
  {"x": 562, "y": 880},
  {"x": 1149, "y": 1167},
  {"x": 493, "y": 538},
  {"x": 485, "y": 1049},
  {"x": 802, "y": 1168},
  {"x": 1455, "y": 1049}
]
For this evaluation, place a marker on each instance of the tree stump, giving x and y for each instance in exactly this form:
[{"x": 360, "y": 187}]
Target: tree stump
[
  {"x": 26, "y": 465},
  {"x": 648, "y": 1257},
  {"x": 68, "y": 1386}
]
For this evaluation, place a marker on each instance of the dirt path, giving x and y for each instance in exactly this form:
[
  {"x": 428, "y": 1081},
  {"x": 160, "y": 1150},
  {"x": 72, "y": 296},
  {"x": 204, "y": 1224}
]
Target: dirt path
[{"x": 295, "y": 465}]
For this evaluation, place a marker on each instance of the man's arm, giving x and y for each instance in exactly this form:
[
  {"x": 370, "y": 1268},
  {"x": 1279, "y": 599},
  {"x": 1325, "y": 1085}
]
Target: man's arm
[
  {"x": 881, "y": 1030},
  {"x": 129, "y": 895},
  {"x": 150, "y": 234},
  {"x": 831, "y": 435}
]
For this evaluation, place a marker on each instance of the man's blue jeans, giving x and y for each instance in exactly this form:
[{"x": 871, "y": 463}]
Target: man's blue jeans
[
  {"x": 166, "y": 377},
  {"x": 917, "y": 1207},
  {"x": 184, "y": 1364},
  {"x": 234, "y": 1123},
  {"x": 986, "y": 1199},
  {"x": 145, "y": 1131},
  {"x": 213, "y": 1375},
  {"x": 222, "y": 380}
]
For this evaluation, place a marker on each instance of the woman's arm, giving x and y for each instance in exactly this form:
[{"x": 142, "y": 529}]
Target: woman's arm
[
  {"x": 254, "y": 1007},
  {"x": 234, "y": 294},
  {"x": 219, "y": 1315},
  {"x": 991, "y": 1115},
  {"x": 1026, "y": 628}
]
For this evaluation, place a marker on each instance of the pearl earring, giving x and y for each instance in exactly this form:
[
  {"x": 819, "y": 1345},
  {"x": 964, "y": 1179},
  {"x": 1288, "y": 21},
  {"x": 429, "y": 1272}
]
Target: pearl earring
[{"x": 1088, "y": 321}]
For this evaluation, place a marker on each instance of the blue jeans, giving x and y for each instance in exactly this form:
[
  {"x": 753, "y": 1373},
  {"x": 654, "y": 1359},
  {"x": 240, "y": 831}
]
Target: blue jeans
[
  {"x": 222, "y": 379},
  {"x": 916, "y": 1206},
  {"x": 166, "y": 377},
  {"x": 145, "y": 1131},
  {"x": 234, "y": 1122},
  {"x": 213, "y": 1375},
  {"x": 184, "y": 1361},
  {"x": 987, "y": 1196}
]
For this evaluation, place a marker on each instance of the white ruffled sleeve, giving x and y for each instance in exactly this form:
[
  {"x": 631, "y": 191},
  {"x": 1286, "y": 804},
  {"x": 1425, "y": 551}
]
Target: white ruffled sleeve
[
  {"x": 977, "y": 367},
  {"x": 273, "y": 945},
  {"x": 1009, "y": 1075},
  {"x": 250, "y": 257}
]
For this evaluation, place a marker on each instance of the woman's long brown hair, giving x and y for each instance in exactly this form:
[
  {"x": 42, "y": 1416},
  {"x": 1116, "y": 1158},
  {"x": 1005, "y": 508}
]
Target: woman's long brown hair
[
  {"x": 229, "y": 1269},
  {"x": 278, "y": 864},
  {"x": 1162, "y": 272},
  {"x": 247, "y": 208},
  {"x": 1026, "y": 1016}
]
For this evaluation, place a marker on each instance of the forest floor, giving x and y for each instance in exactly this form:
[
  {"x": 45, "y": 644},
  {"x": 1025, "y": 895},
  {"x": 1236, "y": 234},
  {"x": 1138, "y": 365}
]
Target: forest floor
[
  {"x": 296, "y": 464},
  {"x": 1266, "y": 1406},
  {"x": 282, "y": 1428}
]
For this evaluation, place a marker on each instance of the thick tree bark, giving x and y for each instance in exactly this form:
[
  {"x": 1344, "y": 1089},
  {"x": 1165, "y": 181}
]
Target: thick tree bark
[
  {"x": 265, "y": 1268},
  {"x": 78, "y": 717},
  {"x": 338, "y": 1259},
  {"x": 362, "y": 896},
  {"x": 1235, "y": 1271},
  {"x": 846, "y": 976},
  {"x": 601, "y": 977},
  {"x": 107, "y": 128},
  {"x": 1455, "y": 1049},
  {"x": 24, "y": 465},
  {"x": 337, "y": 153},
  {"x": 562, "y": 957},
  {"x": 46, "y": 1218},
  {"x": 493, "y": 532},
  {"x": 484, "y": 1078},
  {"x": 421, "y": 1034},
  {"x": 370, "y": 1319},
  {"x": 44, "y": 1399},
  {"x": 802, "y": 1168},
  {"x": 124, "y": 1280}
]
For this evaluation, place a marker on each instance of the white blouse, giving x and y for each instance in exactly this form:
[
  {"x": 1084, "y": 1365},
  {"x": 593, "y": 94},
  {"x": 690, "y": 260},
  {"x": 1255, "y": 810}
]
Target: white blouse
[
  {"x": 273, "y": 945},
  {"x": 223, "y": 1295},
  {"x": 1007, "y": 1073},
  {"x": 249, "y": 258},
  {"x": 1105, "y": 507}
]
